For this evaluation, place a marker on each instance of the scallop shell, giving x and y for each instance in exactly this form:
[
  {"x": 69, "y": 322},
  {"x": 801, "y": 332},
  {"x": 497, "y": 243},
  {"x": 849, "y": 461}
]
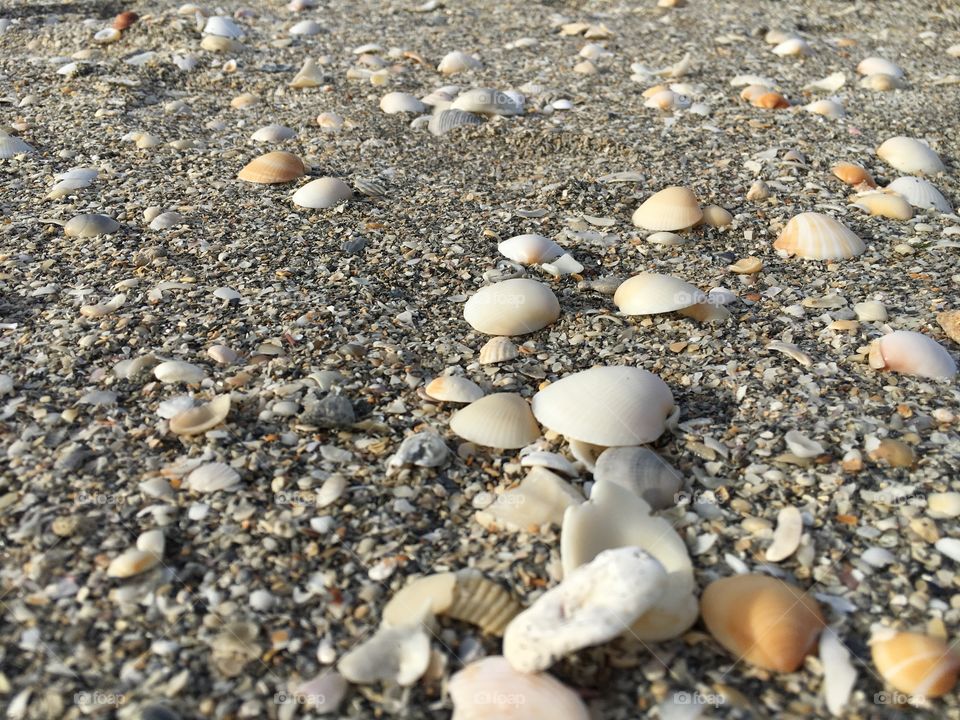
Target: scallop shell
[
  {"x": 530, "y": 249},
  {"x": 90, "y": 225},
  {"x": 885, "y": 204},
  {"x": 324, "y": 192},
  {"x": 919, "y": 665},
  {"x": 818, "y": 237},
  {"x": 273, "y": 167},
  {"x": 200, "y": 419},
  {"x": 853, "y": 174},
  {"x": 306, "y": 28},
  {"x": 487, "y": 101},
  {"x": 652, "y": 293},
  {"x": 453, "y": 388},
  {"x": 455, "y": 62},
  {"x": 920, "y": 193},
  {"x": 273, "y": 133},
  {"x": 607, "y": 406},
  {"x": 762, "y": 620},
  {"x": 792, "y": 46},
  {"x": 222, "y": 26},
  {"x": 443, "y": 121},
  {"x": 876, "y": 65},
  {"x": 538, "y": 502},
  {"x": 177, "y": 371},
  {"x": 401, "y": 102},
  {"x": 212, "y": 477},
  {"x": 641, "y": 471},
  {"x": 512, "y": 307},
  {"x": 828, "y": 108},
  {"x": 497, "y": 350},
  {"x": 912, "y": 353},
  {"x": 673, "y": 208},
  {"x": 910, "y": 156},
  {"x": 501, "y": 420}
]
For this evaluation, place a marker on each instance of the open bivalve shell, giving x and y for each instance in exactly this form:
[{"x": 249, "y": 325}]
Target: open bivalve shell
[
  {"x": 90, "y": 225},
  {"x": 912, "y": 353},
  {"x": 910, "y": 156},
  {"x": 540, "y": 501},
  {"x": 453, "y": 388},
  {"x": 673, "y": 208},
  {"x": 607, "y": 406},
  {"x": 322, "y": 193},
  {"x": 920, "y": 193},
  {"x": 512, "y": 307},
  {"x": 273, "y": 167},
  {"x": 530, "y": 249},
  {"x": 762, "y": 620},
  {"x": 641, "y": 471},
  {"x": 915, "y": 664},
  {"x": 593, "y": 604},
  {"x": 501, "y": 420},
  {"x": 818, "y": 237},
  {"x": 615, "y": 518},
  {"x": 202, "y": 418}
]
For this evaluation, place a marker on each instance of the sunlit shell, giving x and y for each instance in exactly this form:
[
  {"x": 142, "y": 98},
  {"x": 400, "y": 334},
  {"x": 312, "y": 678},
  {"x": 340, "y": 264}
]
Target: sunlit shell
[
  {"x": 273, "y": 167},
  {"x": 501, "y": 420},
  {"x": 200, "y": 419},
  {"x": 107, "y": 36},
  {"x": 607, "y": 406},
  {"x": 652, "y": 293},
  {"x": 125, "y": 20},
  {"x": 538, "y": 502},
  {"x": 512, "y": 307},
  {"x": 667, "y": 100},
  {"x": 273, "y": 133},
  {"x": 330, "y": 121},
  {"x": 746, "y": 266},
  {"x": 641, "y": 471},
  {"x": 90, "y": 225},
  {"x": 759, "y": 190},
  {"x": 496, "y": 350},
  {"x": 910, "y": 156},
  {"x": 167, "y": 220},
  {"x": 222, "y": 26},
  {"x": 818, "y": 237},
  {"x": 762, "y": 620},
  {"x": 212, "y": 477},
  {"x": 324, "y": 192},
  {"x": 443, "y": 121},
  {"x": 753, "y": 91},
  {"x": 831, "y": 83},
  {"x": 530, "y": 249},
  {"x": 487, "y": 101},
  {"x": 876, "y": 65},
  {"x": 853, "y": 174},
  {"x": 306, "y": 27},
  {"x": 132, "y": 562},
  {"x": 881, "y": 82},
  {"x": 455, "y": 62},
  {"x": 912, "y": 353},
  {"x": 829, "y": 108},
  {"x": 884, "y": 204},
  {"x": 453, "y": 388},
  {"x": 716, "y": 216},
  {"x": 550, "y": 460},
  {"x": 178, "y": 371},
  {"x": 243, "y": 101},
  {"x": 216, "y": 43},
  {"x": 673, "y": 208},
  {"x": 490, "y": 689},
  {"x": 918, "y": 665},
  {"x": 396, "y": 656},
  {"x": 793, "y": 46},
  {"x": 401, "y": 102},
  {"x": 308, "y": 76},
  {"x": 770, "y": 101},
  {"x": 920, "y": 193}
]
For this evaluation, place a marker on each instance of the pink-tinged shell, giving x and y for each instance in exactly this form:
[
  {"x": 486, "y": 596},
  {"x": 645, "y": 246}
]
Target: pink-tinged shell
[
  {"x": 818, "y": 237},
  {"x": 912, "y": 353}
]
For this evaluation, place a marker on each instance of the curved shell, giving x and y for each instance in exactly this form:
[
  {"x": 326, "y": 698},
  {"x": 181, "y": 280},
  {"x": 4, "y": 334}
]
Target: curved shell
[
  {"x": 455, "y": 62},
  {"x": 716, "y": 216},
  {"x": 853, "y": 174},
  {"x": 107, "y": 36},
  {"x": 915, "y": 664},
  {"x": 911, "y": 156},
  {"x": 876, "y": 65},
  {"x": 132, "y": 562},
  {"x": 308, "y": 76},
  {"x": 306, "y": 27},
  {"x": 273, "y": 167},
  {"x": 167, "y": 220},
  {"x": 11, "y": 146},
  {"x": 496, "y": 350},
  {"x": 673, "y": 208},
  {"x": 792, "y": 46},
  {"x": 322, "y": 193},
  {"x": 530, "y": 249},
  {"x": 202, "y": 418},
  {"x": 212, "y": 477},
  {"x": 881, "y": 82},
  {"x": 401, "y": 102},
  {"x": 216, "y": 43},
  {"x": 538, "y": 502},
  {"x": 487, "y": 101},
  {"x": 512, "y": 307},
  {"x": 818, "y": 237},
  {"x": 273, "y": 133},
  {"x": 124, "y": 20},
  {"x": 828, "y": 108},
  {"x": 443, "y": 121},
  {"x": 176, "y": 371},
  {"x": 90, "y": 225},
  {"x": 607, "y": 406},
  {"x": 453, "y": 388},
  {"x": 912, "y": 353},
  {"x": 770, "y": 101},
  {"x": 762, "y": 620},
  {"x": 222, "y": 26},
  {"x": 641, "y": 471},
  {"x": 501, "y": 420},
  {"x": 652, "y": 293},
  {"x": 920, "y": 193},
  {"x": 885, "y": 204},
  {"x": 398, "y": 656}
]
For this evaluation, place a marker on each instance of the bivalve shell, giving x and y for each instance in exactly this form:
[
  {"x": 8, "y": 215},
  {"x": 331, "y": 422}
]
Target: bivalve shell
[
  {"x": 212, "y": 477},
  {"x": 828, "y": 108},
  {"x": 273, "y": 167},
  {"x": 222, "y": 26},
  {"x": 178, "y": 371},
  {"x": 456, "y": 62},
  {"x": 876, "y": 65},
  {"x": 920, "y": 193},
  {"x": 306, "y": 28},
  {"x": 911, "y": 156},
  {"x": 652, "y": 293},
  {"x": 641, "y": 471},
  {"x": 673, "y": 208},
  {"x": 530, "y": 249},
  {"x": 912, "y": 353},
  {"x": 853, "y": 174},
  {"x": 202, "y": 418},
  {"x": 444, "y": 120},
  {"x": 501, "y": 420},
  {"x": 497, "y": 350},
  {"x": 818, "y": 237},
  {"x": 792, "y": 46},
  {"x": 90, "y": 225},
  {"x": 273, "y": 133},
  {"x": 512, "y": 307},
  {"x": 885, "y": 204},
  {"x": 487, "y": 101},
  {"x": 401, "y": 102},
  {"x": 453, "y": 388},
  {"x": 321, "y": 193},
  {"x": 916, "y": 664}
]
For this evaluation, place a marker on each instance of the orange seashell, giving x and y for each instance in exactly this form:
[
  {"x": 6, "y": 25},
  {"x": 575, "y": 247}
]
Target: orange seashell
[
  {"x": 273, "y": 167},
  {"x": 753, "y": 91},
  {"x": 915, "y": 664},
  {"x": 762, "y": 620},
  {"x": 853, "y": 174},
  {"x": 125, "y": 20},
  {"x": 770, "y": 101}
]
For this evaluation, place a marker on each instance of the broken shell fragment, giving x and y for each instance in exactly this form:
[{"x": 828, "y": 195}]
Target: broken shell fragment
[
  {"x": 273, "y": 167},
  {"x": 310, "y": 75},
  {"x": 641, "y": 471},
  {"x": 397, "y": 655},
  {"x": 512, "y": 307},
  {"x": 202, "y": 418},
  {"x": 538, "y": 502},
  {"x": 746, "y": 266},
  {"x": 453, "y": 388},
  {"x": 673, "y": 208},
  {"x": 787, "y": 535},
  {"x": 423, "y": 449},
  {"x": 501, "y": 420},
  {"x": 322, "y": 193},
  {"x": 90, "y": 225},
  {"x": 818, "y": 237},
  {"x": 910, "y": 156},
  {"x": 916, "y": 664},
  {"x": 912, "y": 353}
]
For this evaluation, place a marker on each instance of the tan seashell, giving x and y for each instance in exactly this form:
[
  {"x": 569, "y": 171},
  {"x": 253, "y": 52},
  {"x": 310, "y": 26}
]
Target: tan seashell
[
  {"x": 538, "y": 502},
  {"x": 876, "y": 65},
  {"x": 916, "y": 664},
  {"x": 912, "y": 353},
  {"x": 758, "y": 191},
  {"x": 125, "y": 20},
  {"x": 818, "y": 237},
  {"x": 950, "y": 322},
  {"x": 132, "y": 562},
  {"x": 310, "y": 75},
  {"x": 242, "y": 102},
  {"x": 954, "y": 50},
  {"x": 501, "y": 420},
  {"x": 105, "y": 308},
  {"x": 496, "y": 350},
  {"x": 330, "y": 121},
  {"x": 828, "y": 108},
  {"x": 770, "y": 101},
  {"x": 882, "y": 82},
  {"x": 885, "y": 204},
  {"x": 216, "y": 43},
  {"x": 792, "y": 46},
  {"x": 716, "y": 216},
  {"x": 792, "y": 351},
  {"x": 586, "y": 67},
  {"x": 453, "y": 388},
  {"x": 202, "y": 418},
  {"x": 896, "y": 453},
  {"x": 853, "y": 174},
  {"x": 651, "y": 91},
  {"x": 512, "y": 307},
  {"x": 530, "y": 249},
  {"x": 652, "y": 293},
  {"x": 673, "y": 208},
  {"x": 762, "y": 620},
  {"x": 746, "y": 266},
  {"x": 273, "y": 167},
  {"x": 910, "y": 156},
  {"x": 322, "y": 193},
  {"x": 464, "y": 595}
]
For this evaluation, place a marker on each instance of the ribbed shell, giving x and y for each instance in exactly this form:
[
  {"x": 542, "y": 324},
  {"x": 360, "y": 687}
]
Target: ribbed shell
[
  {"x": 501, "y": 420},
  {"x": 652, "y": 293},
  {"x": 673, "y": 208},
  {"x": 444, "y": 121},
  {"x": 512, "y": 307},
  {"x": 916, "y": 664},
  {"x": 818, "y": 237},
  {"x": 497, "y": 349},
  {"x": 920, "y": 193},
  {"x": 482, "y": 602},
  {"x": 911, "y": 156},
  {"x": 530, "y": 249},
  {"x": 273, "y": 167},
  {"x": 200, "y": 419}
]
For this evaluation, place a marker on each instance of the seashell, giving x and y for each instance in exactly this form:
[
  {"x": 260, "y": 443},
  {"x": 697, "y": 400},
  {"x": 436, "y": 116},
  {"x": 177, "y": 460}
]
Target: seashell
[
  {"x": 916, "y": 664},
  {"x": 466, "y": 595},
  {"x": 585, "y": 453},
  {"x": 125, "y": 20},
  {"x": 566, "y": 264},
  {"x": 530, "y": 249},
  {"x": 818, "y": 237},
  {"x": 497, "y": 350},
  {"x": 243, "y": 101},
  {"x": 423, "y": 449},
  {"x": 912, "y": 353},
  {"x": 716, "y": 216},
  {"x": 200, "y": 419},
  {"x": 641, "y": 471},
  {"x": 652, "y": 293},
  {"x": 607, "y": 406},
  {"x": 792, "y": 46},
  {"x": 212, "y": 477},
  {"x": 487, "y": 101},
  {"x": 273, "y": 133},
  {"x": 490, "y": 689},
  {"x": 215, "y": 43},
  {"x": 775, "y": 37},
  {"x": 501, "y": 420},
  {"x": 667, "y": 100},
  {"x": 222, "y": 26},
  {"x": 106, "y": 36},
  {"x": 770, "y": 101},
  {"x": 884, "y": 204},
  {"x": 456, "y": 62},
  {"x": 273, "y": 167},
  {"x": 371, "y": 187},
  {"x": 308, "y": 76},
  {"x": 306, "y": 27},
  {"x": 876, "y": 65},
  {"x": 896, "y": 453},
  {"x": 549, "y": 460},
  {"x": 870, "y": 311},
  {"x": 746, "y": 266},
  {"x": 666, "y": 238},
  {"x": 954, "y": 50},
  {"x": 453, "y": 388},
  {"x": 443, "y": 121},
  {"x": 831, "y": 83},
  {"x": 90, "y": 225},
  {"x": 765, "y": 621},
  {"x": 132, "y": 562},
  {"x": 398, "y": 655},
  {"x": 758, "y": 191},
  {"x": 616, "y": 518},
  {"x": 103, "y": 309},
  {"x": 853, "y": 174},
  {"x": 174, "y": 406},
  {"x": 673, "y": 208},
  {"x": 167, "y": 220},
  {"x": 592, "y": 605},
  {"x": 176, "y": 371},
  {"x": 881, "y": 82},
  {"x": 827, "y": 108},
  {"x": 592, "y": 51},
  {"x": 538, "y": 502},
  {"x": 910, "y": 156},
  {"x": 742, "y": 80},
  {"x": 802, "y": 446},
  {"x": 920, "y": 193},
  {"x": 786, "y": 536},
  {"x": 400, "y": 102},
  {"x": 839, "y": 674},
  {"x": 330, "y": 121},
  {"x": 222, "y": 354},
  {"x": 512, "y": 307},
  {"x": 585, "y": 68},
  {"x": 950, "y": 322},
  {"x": 324, "y": 192}
]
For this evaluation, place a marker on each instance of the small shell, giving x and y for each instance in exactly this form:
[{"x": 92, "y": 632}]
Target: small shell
[
  {"x": 400, "y": 102},
  {"x": 212, "y": 477},
  {"x": 920, "y": 193},
  {"x": 273, "y": 133},
  {"x": 641, "y": 471},
  {"x": 132, "y": 562},
  {"x": 102, "y": 309},
  {"x": 881, "y": 82},
  {"x": 912, "y": 353},
  {"x": 497, "y": 350},
  {"x": 167, "y": 220},
  {"x": 870, "y": 311},
  {"x": 222, "y": 354},
  {"x": 716, "y": 216},
  {"x": 310, "y": 75},
  {"x": 330, "y": 121},
  {"x": 423, "y": 449},
  {"x": 200, "y": 419},
  {"x": 831, "y": 83},
  {"x": 853, "y": 174},
  {"x": 910, "y": 156},
  {"x": 802, "y": 446},
  {"x": 746, "y": 266},
  {"x": 90, "y": 225},
  {"x": 396, "y": 656},
  {"x": 273, "y": 167},
  {"x": 125, "y": 20},
  {"x": 667, "y": 100},
  {"x": 222, "y": 26},
  {"x": 487, "y": 101},
  {"x": 549, "y": 460},
  {"x": 828, "y": 108},
  {"x": 512, "y": 307},
  {"x": 792, "y": 46},
  {"x": 306, "y": 28},
  {"x": 324, "y": 192},
  {"x": 453, "y": 388},
  {"x": 752, "y": 91},
  {"x": 818, "y": 237},
  {"x": 501, "y": 420},
  {"x": 758, "y": 191},
  {"x": 443, "y": 121},
  {"x": 673, "y": 208},
  {"x": 107, "y": 36},
  {"x": 455, "y": 62},
  {"x": 530, "y": 249},
  {"x": 770, "y": 101},
  {"x": 884, "y": 204},
  {"x": 919, "y": 665},
  {"x": 178, "y": 371},
  {"x": 652, "y": 293},
  {"x": 786, "y": 536},
  {"x": 876, "y": 65}
]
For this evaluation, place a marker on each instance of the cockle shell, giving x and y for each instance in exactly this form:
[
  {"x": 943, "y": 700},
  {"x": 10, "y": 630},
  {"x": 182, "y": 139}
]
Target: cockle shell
[
  {"x": 641, "y": 471},
  {"x": 673, "y": 208},
  {"x": 222, "y": 26},
  {"x": 487, "y": 101},
  {"x": 396, "y": 655},
  {"x": 273, "y": 167},
  {"x": 501, "y": 420},
  {"x": 607, "y": 406},
  {"x": 818, "y": 237},
  {"x": 920, "y": 193},
  {"x": 212, "y": 477},
  {"x": 273, "y": 133},
  {"x": 90, "y": 225},
  {"x": 915, "y": 664},
  {"x": 200, "y": 419},
  {"x": 178, "y": 371},
  {"x": 792, "y": 46},
  {"x": 538, "y": 502},
  {"x": 496, "y": 350},
  {"x": 512, "y": 307},
  {"x": 762, "y": 620},
  {"x": 910, "y": 156},
  {"x": 530, "y": 249},
  {"x": 444, "y": 120},
  {"x": 490, "y": 689},
  {"x": 876, "y": 65},
  {"x": 853, "y": 174},
  {"x": 912, "y": 353},
  {"x": 324, "y": 192},
  {"x": 716, "y": 216},
  {"x": 453, "y": 388},
  {"x": 465, "y": 595},
  {"x": 455, "y": 62},
  {"x": 400, "y": 102},
  {"x": 885, "y": 204},
  {"x": 828, "y": 108}
]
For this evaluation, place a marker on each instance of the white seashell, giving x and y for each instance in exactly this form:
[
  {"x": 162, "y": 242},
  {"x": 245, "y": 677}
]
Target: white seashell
[
  {"x": 273, "y": 133},
  {"x": 881, "y": 82},
  {"x": 651, "y": 293},
  {"x": 641, "y": 471},
  {"x": 512, "y": 307},
  {"x": 496, "y": 350},
  {"x": 585, "y": 453},
  {"x": 68, "y": 69},
  {"x": 827, "y": 108},
  {"x": 530, "y": 249},
  {"x": 666, "y": 238},
  {"x": 324, "y": 192},
  {"x": 954, "y": 50},
  {"x": 330, "y": 121},
  {"x": 487, "y": 101},
  {"x": 802, "y": 446},
  {"x": 910, "y": 156},
  {"x": 793, "y": 46},
  {"x": 398, "y": 655},
  {"x": 870, "y": 311},
  {"x": 308, "y": 76},
  {"x": 306, "y": 27},
  {"x": 132, "y": 562},
  {"x": 216, "y": 43},
  {"x": 400, "y": 102},
  {"x": 212, "y": 477},
  {"x": 831, "y": 83},
  {"x": 105, "y": 308},
  {"x": 742, "y": 80},
  {"x": 200, "y": 419},
  {"x": 106, "y": 36},
  {"x": 174, "y": 406},
  {"x": 920, "y": 193},
  {"x": 667, "y": 100},
  {"x": 885, "y": 204},
  {"x": 501, "y": 420},
  {"x": 879, "y": 66},
  {"x": 222, "y": 26},
  {"x": 912, "y": 353},
  {"x": 331, "y": 490},
  {"x": 167, "y": 220},
  {"x": 818, "y": 237},
  {"x": 186, "y": 63},
  {"x": 226, "y": 293},
  {"x": 443, "y": 121},
  {"x": 178, "y": 371},
  {"x": 90, "y": 225},
  {"x": 839, "y": 674},
  {"x": 453, "y": 388},
  {"x": 539, "y": 501},
  {"x": 775, "y": 37},
  {"x": 222, "y": 354},
  {"x": 786, "y": 536},
  {"x": 551, "y": 461},
  {"x": 455, "y": 62}
]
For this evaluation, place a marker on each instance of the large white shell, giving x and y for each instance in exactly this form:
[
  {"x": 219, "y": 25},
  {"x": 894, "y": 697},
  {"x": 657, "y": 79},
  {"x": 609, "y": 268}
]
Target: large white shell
[
  {"x": 911, "y": 156},
  {"x": 879, "y": 66},
  {"x": 501, "y": 420},
  {"x": 606, "y": 406},
  {"x": 178, "y": 371},
  {"x": 512, "y": 307},
  {"x": 211, "y": 477},
  {"x": 401, "y": 102},
  {"x": 487, "y": 101},
  {"x": 324, "y": 192},
  {"x": 530, "y": 249},
  {"x": 818, "y": 237},
  {"x": 920, "y": 193},
  {"x": 652, "y": 293},
  {"x": 455, "y": 62},
  {"x": 222, "y": 26},
  {"x": 912, "y": 353}
]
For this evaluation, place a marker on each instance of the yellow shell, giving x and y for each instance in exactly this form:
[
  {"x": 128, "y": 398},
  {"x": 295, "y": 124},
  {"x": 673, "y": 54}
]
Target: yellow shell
[
  {"x": 916, "y": 664},
  {"x": 273, "y": 167},
  {"x": 885, "y": 204}
]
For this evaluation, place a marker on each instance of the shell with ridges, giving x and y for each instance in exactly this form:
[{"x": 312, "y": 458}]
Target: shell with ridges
[
  {"x": 444, "y": 120},
  {"x": 920, "y": 193},
  {"x": 673, "y": 208},
  {"x": 273, "y": 133},
  {"x": 818, "y": 237},
  {"x": 501, "y": 420},
  {"x": 487, "y": 101},
  {"x": 512, "y": 307},
  {"x": 273, "y": 167},
  {"x": 453, "y": 388},
  {"x": 916, "y": 664},
  {"x": 530, "y": 249},
  {"x": 497, "y": 349},
  {"x": 911, "y": 156}
]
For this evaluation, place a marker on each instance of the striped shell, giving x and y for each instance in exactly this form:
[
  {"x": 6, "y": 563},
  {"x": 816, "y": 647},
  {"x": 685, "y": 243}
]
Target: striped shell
[
  {"x": 444, "y": 121},
  {"x": 673, "y": 208},
  {"x": 818, "y": 237},
  {"x": 273, "y": 167},
  {"x": 920, "y": 193},
  {"x": 915, "y": 664},
  {"x": 501, "y": 420},
  {"x": 911, "y": 156},
  {"x": 497, "y": 349}
]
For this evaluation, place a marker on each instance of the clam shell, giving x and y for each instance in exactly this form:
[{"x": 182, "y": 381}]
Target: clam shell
[
  {"x": 920, "y": 193},
  {"x": 651, "y": 293},
  {"x": 215, "y": 43},
  {"x": 401, "y": 102},
  {"x": 870, "y": 311},
  {"x": 212, "y": 477},
  {"x": 306, "y": 27},
  {"x": 501, "y": 420},
  {"x": 919, "y": 665},
  {"x": 641, "y": 471},
  {"x": 512, "y": 307},
  {"x": 551, "y": 461},
  {"x": 453, "y": 388},
  {"x": 716, "y": 216},
  {"x": 770, "y": 101},
  {"x": 876, "y": 65},
  {"x": 538, "y": 502},
  {"x": 222, "y": 26},
  {"x": 132, "y": 562},
  {"x": 455, "y": 62},
  {"x": 90, "y": 225},
  {"x": 885, "y": 204},
  {"x": 762, "y": 620},
  {"x": 792, "y": 46},
  {"x": 200, "y": 419},
  {"x": 828, "y": 108},
  {"x": 167, "y": 220},
  {"x": 818, "y": 237},
  {"x": 273, "y": 133},
  {"x": 273, "y": 167},
  {"x": 910, "y": 156},
  {"x": 325, "y": 192},
  {"x": 673, "y": 208},
  {"x": 881, "y": 82},
  {"x": 530, "y": 249},
  {"x": 107, "y": 36},
  {"x": 443, "y": 121},
  {"x": 853, "y": 174},
  {"x": 487, "y": 101},
  {"x": 496, "y": 350},
  {"x": 608, "y": 406},
  {"x": 397, "y": 656},
  {"x": 912, "y": 353},
  {"x": 178, "y": 371}
]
